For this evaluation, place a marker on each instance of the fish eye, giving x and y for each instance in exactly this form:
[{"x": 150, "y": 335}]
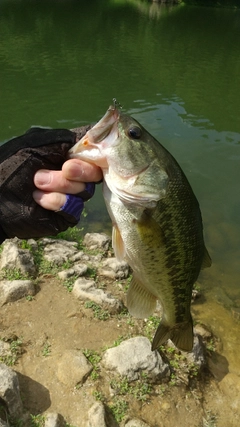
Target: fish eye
[{"x": 135, "y": 132}]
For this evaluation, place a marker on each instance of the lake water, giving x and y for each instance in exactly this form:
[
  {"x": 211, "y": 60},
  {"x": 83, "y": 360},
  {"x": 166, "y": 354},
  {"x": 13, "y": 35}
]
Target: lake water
[{"x": 176, "y": 70}]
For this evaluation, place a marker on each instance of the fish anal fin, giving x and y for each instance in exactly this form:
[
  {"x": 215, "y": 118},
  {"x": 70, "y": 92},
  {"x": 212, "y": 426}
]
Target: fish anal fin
[
  {"x": 118, "y": 244},
  {"x": 207, "y": 262},
  {"x": 180, "y": 334},
  {"x": 140, "y": 302}
]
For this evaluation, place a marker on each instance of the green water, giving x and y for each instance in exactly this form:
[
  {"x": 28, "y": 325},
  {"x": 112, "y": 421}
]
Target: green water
[{"x": 176, "y": 69}]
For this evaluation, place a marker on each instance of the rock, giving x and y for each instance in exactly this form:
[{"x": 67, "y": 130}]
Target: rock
[
  {"x": 96, "y": 415},
  {"x": 58, "y": 251},
  {"x": 13, "y": 257},
  {"x": 97, "y": 241},
  {"x": 202, "y": 331},
  {"x": 73, "y": 368},
  {"x": 33, "y": 244},
  {"x": 14, "y": 290},
  {"x": 197, "y": 355},
  {"x": 3, "y": 423},
  {"x": 136, "y": 423},
  {"x": 9, "y": 390},
  {"x": 86, "y": 258},
  {"x": 114, "y": 269},
  {"x": 53, "y": 419},
  {"x": 87, "y": 290},
  {"x": 134, "y": 356},
  {"x": 77, "y": 270}
]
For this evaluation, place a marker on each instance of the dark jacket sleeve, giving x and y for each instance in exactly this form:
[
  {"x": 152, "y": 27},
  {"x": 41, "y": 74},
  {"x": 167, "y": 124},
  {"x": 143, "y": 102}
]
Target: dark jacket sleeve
[{"x": 20, "y": 158}]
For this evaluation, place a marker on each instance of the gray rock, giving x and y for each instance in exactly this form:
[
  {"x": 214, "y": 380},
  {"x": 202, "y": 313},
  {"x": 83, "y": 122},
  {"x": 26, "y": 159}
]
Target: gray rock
[
  {"x": 13, "y": 257},
  {"x": 197, "y": 355},
  {"x": 136, "y": 423},
  {"x": 114, "y": 269},
  {"x": 202, "y": 331},
  {"x": 96, "y": 415},
  {"x": 97, "y": 241},
  {"x": 134, "y": 356},
  {"x": 58, "y": 251},
  {"x": 3, "y": 423},
  {"x": 14, "y": 290},
  {"x": 80, "y": 256},
  {"x": 87, "y": 290},
  {"x": 73, "y": 368},
  {"x": 9, "y": 390},
  {"x": 53, "y": 419},
  {"x": 77, "y": 270},
  {"x": 33, "y": 244},
  {"x": 87, "y": 258}
]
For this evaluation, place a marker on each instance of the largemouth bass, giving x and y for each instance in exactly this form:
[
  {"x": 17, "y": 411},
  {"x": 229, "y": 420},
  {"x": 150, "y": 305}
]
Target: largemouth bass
[{"x": 157, "y": 223}]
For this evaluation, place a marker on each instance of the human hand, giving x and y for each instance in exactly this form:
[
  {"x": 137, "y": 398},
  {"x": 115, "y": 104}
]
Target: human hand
[{"x": 54, "y": 186}]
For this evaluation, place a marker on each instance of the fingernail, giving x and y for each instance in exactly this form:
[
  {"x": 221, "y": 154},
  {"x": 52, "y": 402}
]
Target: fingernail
[{"x": 42, "y": 177}]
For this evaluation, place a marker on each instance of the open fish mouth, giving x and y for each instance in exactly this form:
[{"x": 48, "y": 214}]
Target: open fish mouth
[{"x": 89, "y": 147}]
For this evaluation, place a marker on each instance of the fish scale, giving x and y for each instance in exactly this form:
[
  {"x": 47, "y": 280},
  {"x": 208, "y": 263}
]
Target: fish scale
[{"x": 157, "y": 223}]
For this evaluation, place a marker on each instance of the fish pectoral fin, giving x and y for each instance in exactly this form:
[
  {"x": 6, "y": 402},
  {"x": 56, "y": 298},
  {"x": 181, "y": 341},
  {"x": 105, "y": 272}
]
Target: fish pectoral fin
[
  {"x": 207, "y": 262},
  {"x": 117, "y": 243},
  {"x": 140, "y": 302},
  {"x": 180, "y": 334}
]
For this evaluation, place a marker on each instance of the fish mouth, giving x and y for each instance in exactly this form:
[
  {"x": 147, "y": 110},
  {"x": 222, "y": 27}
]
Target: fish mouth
[{"x": 89, "y": 146}]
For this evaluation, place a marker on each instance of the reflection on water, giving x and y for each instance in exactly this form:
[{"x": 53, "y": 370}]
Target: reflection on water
[{"x": 175, "y": 71}]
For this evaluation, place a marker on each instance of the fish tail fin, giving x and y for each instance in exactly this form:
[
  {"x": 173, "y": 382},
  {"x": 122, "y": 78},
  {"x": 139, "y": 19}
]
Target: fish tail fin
[
  {"x": 180, "y": 334},
  {"x": 140, "y": 302}
]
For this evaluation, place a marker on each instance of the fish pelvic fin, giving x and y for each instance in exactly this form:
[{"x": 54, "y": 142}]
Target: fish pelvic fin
[
  {"x": 140, "y": 302},
  {"x": 117, "y": 242},
  {"x": 180, "y": 334}
]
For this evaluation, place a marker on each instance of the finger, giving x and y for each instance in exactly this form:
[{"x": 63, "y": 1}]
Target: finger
[
  {"x": 49, "y": 180},
  {"x": 51, "y": 201},
  {"x": 78, "y": 170}
]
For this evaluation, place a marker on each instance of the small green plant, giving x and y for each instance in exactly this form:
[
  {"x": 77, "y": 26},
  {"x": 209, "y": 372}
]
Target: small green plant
[
  {"x": 46, "y": 349},
  {"x": 69, "y": 283},
  {"x": 98, "y": 395},
  {"x": 13, "y": 422},
  {"x": 193, "y": 370},
  {"x": 173, "y": 380},
  {"x": 210, "y": 346},
  {"x": 98, "y": 311},
  {"x": 25, "y": 245},
  {"x": 37, "y": 420},
  {"x": 71, "y": 234},
  {"x": 15, "y": 352},
  {"x": 118, "y": 341},
  {"x": 67, "y": 264},
  {"x": 91, "y": 272},
  {"x": 139, "y": 389},
  {"x": 119, "y": 409},
  {"x": 171, "y": 350},
  {"x": 151, "y": 326},
  {"x": 94, "y": 358},
  {"x": 14, "y": 274}
]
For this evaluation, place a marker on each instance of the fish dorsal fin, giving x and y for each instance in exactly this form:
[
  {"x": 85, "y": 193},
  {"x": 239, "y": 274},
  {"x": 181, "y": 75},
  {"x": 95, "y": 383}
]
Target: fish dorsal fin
[
  {"x": 140, "y": 302},
  {"x": 118, "y": 244},
  {"x": 207, "y": 262}
]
